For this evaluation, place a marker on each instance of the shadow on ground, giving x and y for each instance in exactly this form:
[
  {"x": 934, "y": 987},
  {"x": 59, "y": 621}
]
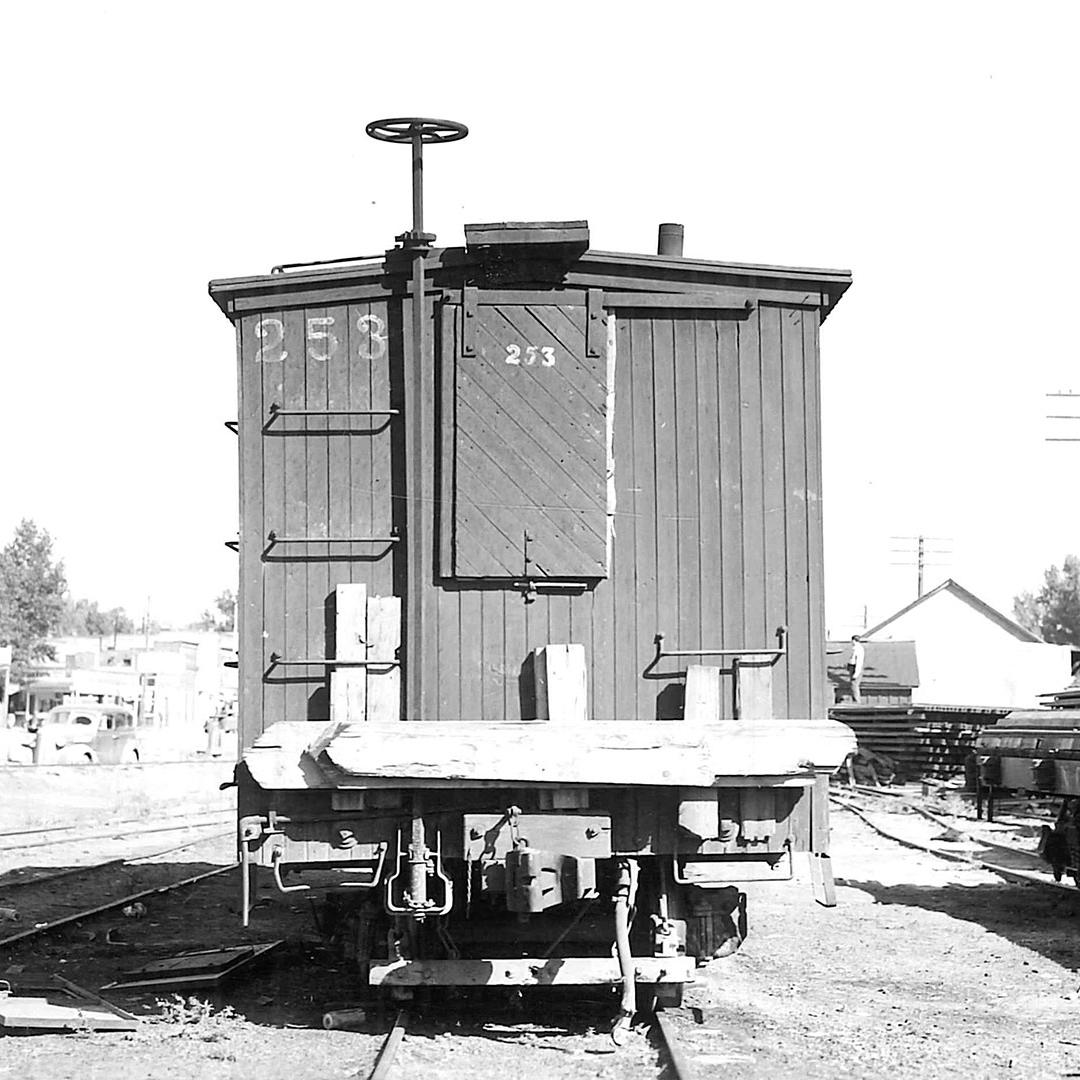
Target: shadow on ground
[{"x": 1046, "y": 922}]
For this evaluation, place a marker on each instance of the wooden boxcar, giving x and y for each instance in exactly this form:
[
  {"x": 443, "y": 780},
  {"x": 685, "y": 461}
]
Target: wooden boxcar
[{"x": 531, "y": 612}]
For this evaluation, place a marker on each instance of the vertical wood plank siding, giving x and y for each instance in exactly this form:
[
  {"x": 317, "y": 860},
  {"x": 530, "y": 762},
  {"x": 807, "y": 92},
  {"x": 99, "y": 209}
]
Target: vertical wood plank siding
[
  {"x": 717, "y": 532},
  {"x": 308, "y": 476}
]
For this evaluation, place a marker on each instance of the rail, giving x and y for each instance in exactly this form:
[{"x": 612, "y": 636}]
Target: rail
[
  {"x": 1013, "y": 874},
  {"x": 112, "y": 905},
  {"x": 674, "y": 1063}
]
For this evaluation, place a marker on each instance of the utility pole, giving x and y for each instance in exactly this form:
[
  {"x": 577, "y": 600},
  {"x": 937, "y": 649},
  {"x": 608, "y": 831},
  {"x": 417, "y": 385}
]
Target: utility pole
[
  {"x": 920, "y": 553},
  {"x": 1063, "y": 416}
]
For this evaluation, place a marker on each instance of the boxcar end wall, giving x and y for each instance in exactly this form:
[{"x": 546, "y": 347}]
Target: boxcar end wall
[{"x": 594, "y": 461}]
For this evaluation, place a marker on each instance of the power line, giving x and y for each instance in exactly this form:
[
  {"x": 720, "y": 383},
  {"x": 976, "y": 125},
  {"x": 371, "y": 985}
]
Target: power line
[
  {"x": 921, "y": 552},
  {"x": 1062, "y": 416}
]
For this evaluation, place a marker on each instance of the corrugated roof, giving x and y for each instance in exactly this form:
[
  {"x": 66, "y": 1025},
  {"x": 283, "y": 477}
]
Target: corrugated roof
[{"x": 889, "y": 665}]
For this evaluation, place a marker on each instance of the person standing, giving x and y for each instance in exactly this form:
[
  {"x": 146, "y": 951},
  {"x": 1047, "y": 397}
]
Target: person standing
[{"x": 855, "y": 668}]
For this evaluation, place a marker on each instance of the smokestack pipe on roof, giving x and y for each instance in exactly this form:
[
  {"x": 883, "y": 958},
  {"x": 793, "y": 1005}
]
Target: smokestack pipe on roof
[{"x": 670, "y": 239}]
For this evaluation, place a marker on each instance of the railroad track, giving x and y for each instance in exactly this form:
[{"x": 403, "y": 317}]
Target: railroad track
[
  {"x": 995, "y": 858},
  {"x": 673, "y": 1063},
  {"x": 22, "y": 839},
  {"x": 48, "y": 908}
]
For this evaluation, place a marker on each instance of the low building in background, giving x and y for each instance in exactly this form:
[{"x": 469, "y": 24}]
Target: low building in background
[
  {"x": 936, "y": 673},
  {"x": 969, "y": 653},
  {"x": 179, "y": 685}
]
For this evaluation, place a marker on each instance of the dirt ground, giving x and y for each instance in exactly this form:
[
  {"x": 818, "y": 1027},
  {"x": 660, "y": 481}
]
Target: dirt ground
[{"x": 925, "y": 969}]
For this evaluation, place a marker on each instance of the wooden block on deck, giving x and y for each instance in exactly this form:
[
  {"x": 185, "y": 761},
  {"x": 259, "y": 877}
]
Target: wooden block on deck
[
  {"x": 348, "y": 693},
  {"x": 350, "y": 623},
  {"x": 384, "y": 638},
  {"x": 559, "y": 671},
  {"x": 702, "y": 702},
  {"x": 755, "y": 692},
  {"x": 348, "y": 686}
]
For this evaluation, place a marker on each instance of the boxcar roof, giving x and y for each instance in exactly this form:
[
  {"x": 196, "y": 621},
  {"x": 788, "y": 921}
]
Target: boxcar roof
[{"x": 599, "y": 269}]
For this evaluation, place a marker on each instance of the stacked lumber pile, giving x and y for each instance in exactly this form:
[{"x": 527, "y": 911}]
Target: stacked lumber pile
[{"x": 922, "y": 741}]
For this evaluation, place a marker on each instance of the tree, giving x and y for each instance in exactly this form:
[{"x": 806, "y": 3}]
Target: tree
[
  {"x": 84, "y": 618},
  {"x": 1054, "y": 611},
  {"x": 32, "y": 588},
  {"x": 224, "y": 618}
]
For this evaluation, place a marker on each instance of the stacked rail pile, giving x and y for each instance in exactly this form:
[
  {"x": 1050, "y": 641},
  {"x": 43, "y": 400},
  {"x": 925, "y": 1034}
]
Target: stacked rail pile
[{"x": 922, "y": 740}]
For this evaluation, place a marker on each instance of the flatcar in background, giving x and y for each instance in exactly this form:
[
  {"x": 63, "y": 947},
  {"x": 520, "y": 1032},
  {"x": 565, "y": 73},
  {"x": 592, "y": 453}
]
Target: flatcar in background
[
  {"x": 1037, "y": 751},
  {"x": 531, "y": 612}
]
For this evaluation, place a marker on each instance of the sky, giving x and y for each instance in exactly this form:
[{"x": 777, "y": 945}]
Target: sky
[{"x": 929, "y": 148}]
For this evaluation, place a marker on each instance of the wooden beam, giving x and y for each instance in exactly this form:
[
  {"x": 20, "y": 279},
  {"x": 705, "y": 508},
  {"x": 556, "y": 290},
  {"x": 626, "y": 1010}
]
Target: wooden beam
[
  {"x": 702, "y": 702},
  {"x": 559, "y": 672},
  {"x": 755, "y": 682},
  {"x": 384, "y": 639},
  {"x": 348, "y": 685},
  {"x": 529, "y": 971}
]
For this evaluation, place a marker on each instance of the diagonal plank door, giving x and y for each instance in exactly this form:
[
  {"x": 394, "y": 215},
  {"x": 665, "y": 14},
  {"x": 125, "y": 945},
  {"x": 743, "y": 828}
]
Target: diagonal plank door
[{"x": 530, "y": 447}]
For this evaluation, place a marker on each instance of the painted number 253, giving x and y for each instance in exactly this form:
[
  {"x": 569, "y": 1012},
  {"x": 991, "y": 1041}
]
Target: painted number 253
[
  {"x": 322, "y": 342},
  {"x": 546, "y": 354}
]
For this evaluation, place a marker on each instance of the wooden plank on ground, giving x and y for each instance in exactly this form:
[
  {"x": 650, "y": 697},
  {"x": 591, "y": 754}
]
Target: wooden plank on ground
[
  {"x": 384, "y": 639},
  {"x": 559, "y": 671}
]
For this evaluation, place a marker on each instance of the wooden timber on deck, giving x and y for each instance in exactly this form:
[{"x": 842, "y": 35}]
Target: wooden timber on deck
[{"x": 300, "y": 754}]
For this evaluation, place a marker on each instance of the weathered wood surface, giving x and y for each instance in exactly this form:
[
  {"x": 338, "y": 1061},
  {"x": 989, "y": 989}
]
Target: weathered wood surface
[
  {"x": 756, "y": 692},
  {"x": 384, "y": 637},
  {"x": 559, "y": 674},
  {"x": 637, "y": 752},
  {"x": 717, "y": 530},
  {"x": 703, "y": 689},
  {"x": 348, "y": 685}
]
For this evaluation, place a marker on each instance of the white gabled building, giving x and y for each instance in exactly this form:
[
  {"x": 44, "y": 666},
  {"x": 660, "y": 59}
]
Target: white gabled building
[{"x": 970, "y": 654}]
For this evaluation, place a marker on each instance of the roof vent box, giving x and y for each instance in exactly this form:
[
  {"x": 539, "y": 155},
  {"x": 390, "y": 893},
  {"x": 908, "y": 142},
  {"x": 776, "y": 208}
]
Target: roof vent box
[
  {"x": 554, "y": 237},
  {"x": 525, "y": 253}
]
